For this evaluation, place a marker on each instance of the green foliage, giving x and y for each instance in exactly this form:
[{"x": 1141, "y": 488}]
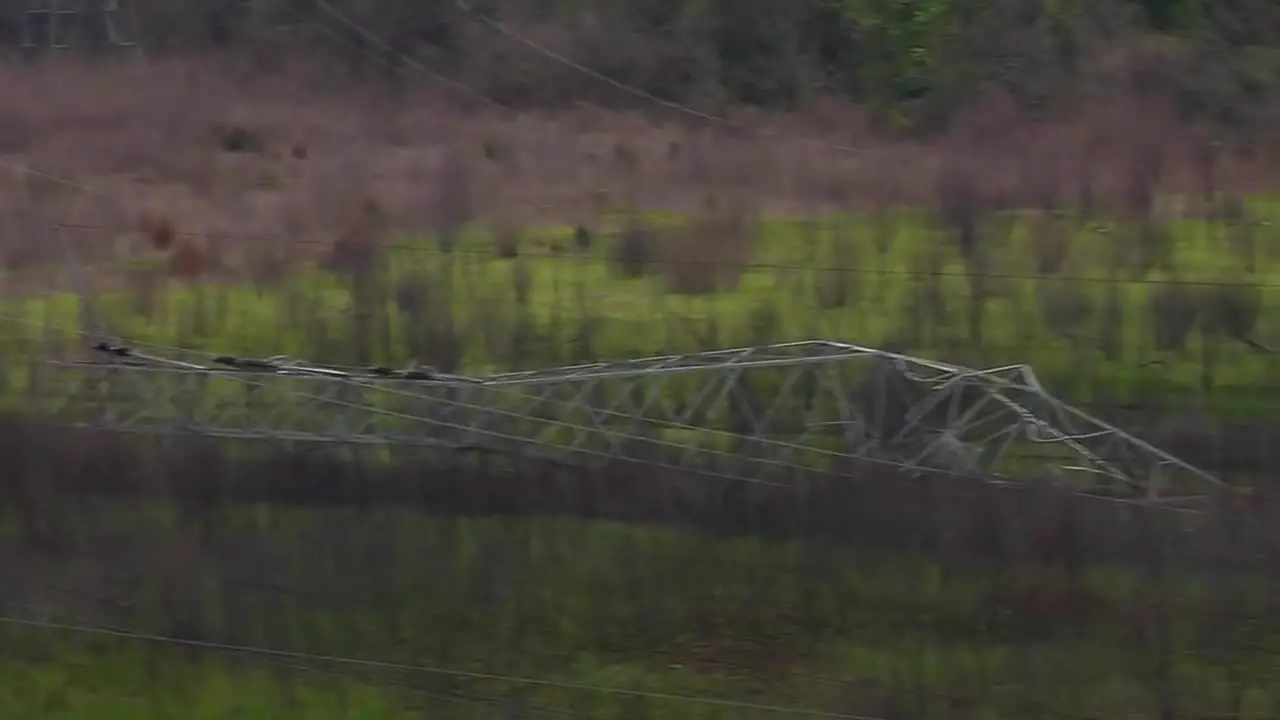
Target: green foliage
[
  {"x": 887, "y": 54},
  {"x": 1090, "y": 336},
  {"x": 578, "y": 603}
]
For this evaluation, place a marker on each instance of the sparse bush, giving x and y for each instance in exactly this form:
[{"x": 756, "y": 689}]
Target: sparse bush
[
  {"x": 581, "y": 238},
  {"x": 1232, "y": 309},
  {"x": 413, "y": 295},
  {"x": 234, "y": 138},
  {"x": 507, "y": 238},
  {"x": 1051, "y": 242},
  {"x": 1151, "y": 249},
  {"x": 636, "y": 249},
  {"x": 190, "y": 258},
  {"x": 625, "y": 156},
  {"x": 521, "y": 281},
  {"x": 157, "y": 228},
  {"x": 453, "y": 202},
  {"x": 1065, "y": 305},
  {"x": 1175, "y": 307},
  {"x": 839, "y": 276},
  {"x": 355, "y": 252},
  {"x": 712, "y": 253}
]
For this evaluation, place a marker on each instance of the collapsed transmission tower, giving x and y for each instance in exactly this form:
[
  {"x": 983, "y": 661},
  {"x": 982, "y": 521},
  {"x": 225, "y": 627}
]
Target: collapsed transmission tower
[
  {"x": 81, "y": 24},
  {"x": 755, "y": 412}
]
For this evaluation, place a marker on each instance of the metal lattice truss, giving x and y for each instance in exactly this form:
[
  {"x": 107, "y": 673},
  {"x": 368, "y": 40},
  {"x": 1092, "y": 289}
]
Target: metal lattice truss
[{"x": 754, "y": 413}]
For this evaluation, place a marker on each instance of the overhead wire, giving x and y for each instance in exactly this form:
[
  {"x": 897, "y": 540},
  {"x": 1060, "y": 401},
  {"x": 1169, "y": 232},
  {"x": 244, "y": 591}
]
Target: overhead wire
[
  {"x": 543, "y": 50},
  {"x": 333, "y": 12},
  {"x": 751, "y": 265},
  {"x": 261, "y": 382},
  {"x": 311, "y": 666},
  {"x": 251, "y": 650},
  {"x": 367, "y": 35},
  {"x": 77, "y": 267},
  {"x": 264, "y": 382}
]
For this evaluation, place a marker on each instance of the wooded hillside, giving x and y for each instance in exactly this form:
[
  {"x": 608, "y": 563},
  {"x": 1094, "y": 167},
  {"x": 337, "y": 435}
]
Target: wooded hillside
[{"x": 913, "y": 61}]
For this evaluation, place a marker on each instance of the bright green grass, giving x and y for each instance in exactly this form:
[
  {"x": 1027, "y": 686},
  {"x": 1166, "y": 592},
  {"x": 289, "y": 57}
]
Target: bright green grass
[
  {"x": 777, "y": 299},
  {"x": 609, "y": 605},
  {"x": 123, "y": 681}
]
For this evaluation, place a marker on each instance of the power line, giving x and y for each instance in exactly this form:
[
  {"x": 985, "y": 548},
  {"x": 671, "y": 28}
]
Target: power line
[
  {"x": 494, "y": 434},
  {"x": 546, "y": 52},
  {"x": 328, "y": 9},
  {"x": 567, "y": 257},
  {"x": 489, "y": 433},
  {"x": 422, "y": 669}
]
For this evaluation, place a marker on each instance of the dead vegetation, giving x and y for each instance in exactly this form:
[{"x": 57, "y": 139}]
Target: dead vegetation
[
  {"x": 1089, "y": 189},
  {"x": 442, "y": 172},
  {"x": 1008, "y": 565}
]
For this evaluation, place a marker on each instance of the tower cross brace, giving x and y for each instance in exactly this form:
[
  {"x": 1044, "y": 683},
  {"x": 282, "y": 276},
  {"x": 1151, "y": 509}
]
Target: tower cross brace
[{"x": 64, "y": 24}]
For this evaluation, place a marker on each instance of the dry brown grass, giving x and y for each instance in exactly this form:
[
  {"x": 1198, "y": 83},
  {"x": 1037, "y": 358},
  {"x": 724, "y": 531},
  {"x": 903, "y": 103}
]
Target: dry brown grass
[
  {"x": 147, "y": 138},
  {"x": 712, "y": 252},
  {"x": 157, "y": 229},
  {"x": 190, "y": 258}
]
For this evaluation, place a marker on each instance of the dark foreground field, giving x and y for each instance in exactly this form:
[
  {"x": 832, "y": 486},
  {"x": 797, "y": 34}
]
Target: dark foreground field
[{"x": 146, "y": 580}]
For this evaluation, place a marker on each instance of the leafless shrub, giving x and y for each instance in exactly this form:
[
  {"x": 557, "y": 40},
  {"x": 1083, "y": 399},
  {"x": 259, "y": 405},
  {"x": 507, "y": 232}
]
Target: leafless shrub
[
  {"x": 1241, "y": 229},
  {"x": 267, "y": 267},
  {"x": 1232, "y": 309},
  {"x": 507, "y": 238},
  {"x": 355, "y": 252},
  {"x": 838, "y": 277},
  {"x": 1111, "y": 336},
  {"x": 581, "y": 238},
  {"x": 766, "y": 323},
  {"x": 521, "y": 280},
  {"x": 413, "y": 295},
  {"x": 712, "y": 253},
  {"x": 1051, "y": 241},
  {"x": 636, "y": 248},
  {"x": 236, "y": 138},
  {"x": 625, "y": 156},
  {"x": 1151, "y": 249},
  {"x": 962, "y": 206},
  {"x": 1208, "y": 165},
  {"x": 1175, "y": 307},
  {"x": 1065, "y": 305},
  {"x": 1142, "y": 181},
  {"x": 927, "y": 306},
  {"x": 1231, "y": 209},
  {"x": 430, "y": 329},
  {"x": 453, "y": 204},
  {"x": 157, "y": 228},
  {"x": 190, "y": 258},
  {"x": 146, "y": 288}
]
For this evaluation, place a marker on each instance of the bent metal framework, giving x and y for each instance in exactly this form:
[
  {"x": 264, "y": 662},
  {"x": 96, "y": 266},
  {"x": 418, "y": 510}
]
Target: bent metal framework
[{"x": 752, "y": 412}]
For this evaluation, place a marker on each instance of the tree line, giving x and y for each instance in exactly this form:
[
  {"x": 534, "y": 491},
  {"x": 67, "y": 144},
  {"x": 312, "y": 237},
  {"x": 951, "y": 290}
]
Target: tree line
[{"x": 911, "y": 61}]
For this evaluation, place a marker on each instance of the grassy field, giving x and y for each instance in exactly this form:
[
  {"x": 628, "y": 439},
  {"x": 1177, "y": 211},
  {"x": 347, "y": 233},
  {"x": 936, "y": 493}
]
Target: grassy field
[
  {"x": 573, "y": 603},
  {"x": 952, "y": 604},
  {"x": 1095, "y": 327}
]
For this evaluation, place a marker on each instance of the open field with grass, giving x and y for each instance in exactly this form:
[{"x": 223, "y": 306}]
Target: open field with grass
[
  {"x": 1186, "y": 323},
  {"x": 1128, "y": 259},
  {"x": 926, "y": 598},
  {"x": 575, "y": 603},
  {"x": 1186, "y": 333}
]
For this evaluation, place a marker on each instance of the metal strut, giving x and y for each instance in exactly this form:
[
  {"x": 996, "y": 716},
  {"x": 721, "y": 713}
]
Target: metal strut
[
  {"x": 63, "y": 24},
  {"x": 756, "y": 412}
]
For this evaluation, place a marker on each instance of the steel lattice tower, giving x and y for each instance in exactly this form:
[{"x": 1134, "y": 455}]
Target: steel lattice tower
[
  {"x": 755, "y": 413},
  {"x": 66, "y": 24}
]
